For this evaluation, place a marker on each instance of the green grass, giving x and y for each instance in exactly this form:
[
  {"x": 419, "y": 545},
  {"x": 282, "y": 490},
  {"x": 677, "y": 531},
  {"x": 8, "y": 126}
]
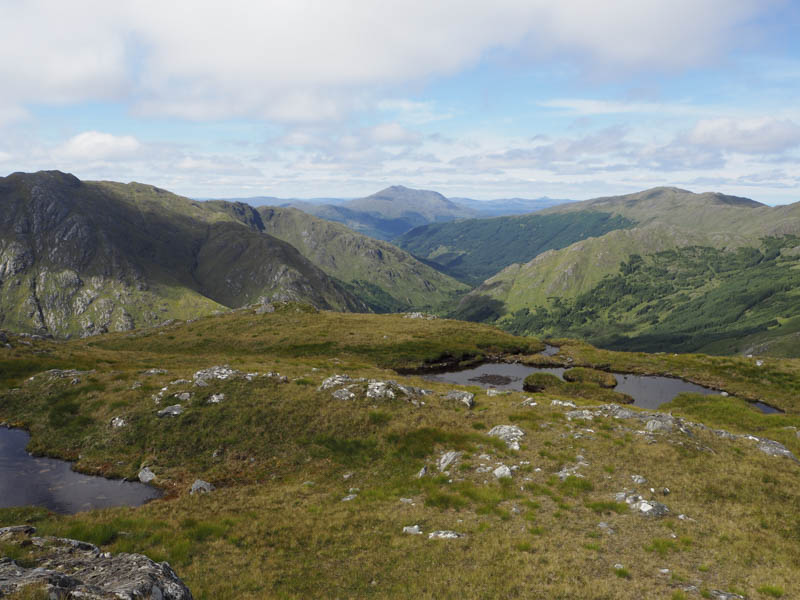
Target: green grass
[{"x": 266, "y": 532}]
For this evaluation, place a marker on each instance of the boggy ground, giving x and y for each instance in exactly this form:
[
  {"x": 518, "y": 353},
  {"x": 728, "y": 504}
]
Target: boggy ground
[{"x": 284, "y": 453}]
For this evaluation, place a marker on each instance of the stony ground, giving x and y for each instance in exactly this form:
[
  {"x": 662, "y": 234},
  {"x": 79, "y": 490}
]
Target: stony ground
[{"x": 320, "y": 471}]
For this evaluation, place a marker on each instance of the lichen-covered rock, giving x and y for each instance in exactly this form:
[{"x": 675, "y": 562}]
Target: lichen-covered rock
[
  {"x": 420, "y": 315},
  {"x": 343, "y": 394},
  {"x": 664, "y": 423},
  {"x": 71, "y": 569},
  {"x": 171, "y": 411},
  {"x": 118, "y": 422},
  {"x": 647, "y": 508},
  {"x": 502, "y": 472},
  {"x": 447, "y": 459},
  {"x": 465, "y": 398},
  {"x": 201, "y": 487},
  {"x": 217, "y": 372},
  {"x": 510, "y": 434},
  {"x": 444, "y": 535},
  {"x": 335, "y": 381},
  {"x": 146, "y": 475}
]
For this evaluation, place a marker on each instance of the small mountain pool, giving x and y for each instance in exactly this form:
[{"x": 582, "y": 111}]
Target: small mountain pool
[
  {"x": 647, "y": 391},
  {"x": 51, "y": 483}
]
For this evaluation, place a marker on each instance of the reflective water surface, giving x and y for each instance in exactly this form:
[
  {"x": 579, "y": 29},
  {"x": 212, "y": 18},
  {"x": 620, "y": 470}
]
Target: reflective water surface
[
  {"x": 51, "y": 483},
  {"x": 647, "y": 391}
]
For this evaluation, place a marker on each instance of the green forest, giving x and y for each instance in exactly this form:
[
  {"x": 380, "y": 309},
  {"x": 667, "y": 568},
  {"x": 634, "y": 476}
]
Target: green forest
[
  {"x": 473, "y": 250},
  {"x": 686, "y": 300}
]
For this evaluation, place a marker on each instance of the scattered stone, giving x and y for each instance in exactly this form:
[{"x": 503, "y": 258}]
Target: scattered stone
[
  {"x": 759, "y": 363},
  {"x": 380, "y": 390},
  {"x": 664, "y": 571},
  {"x": 447, "y": 459},
  {"x": 349, "y": 497},
  {"x": 501, "y": 472},
  {"x": 422, "y": 472},
  {"x": 183, "y": 396},
  {"x": 407, "y": 500},
  {"x": 348, "y": 475},
  {"x": 118, "y": 422},
  {"x": 389, "y": 390},
  {"x": 265, "y": 308},
  {"x": 618, "y": 566},
  {"x": 510, "y": 434},
  {"x": 564, "y": 403},
  {"x": 724, "y": 394},
  {"x": 444, "y": 535},
  {"x": 567, "y": 471},
  {"x": 222, "y": 372},
  {"x": 171, "y": 411},
  {"x": 774, "y": 448},
  {"x": 216, "y": 398},
  {"x": 466, "y": 398},
  {"x": 585, "y": 415},
  {"x": 420, "y": 315},
  {"x": 179, "y": 382},
  {"x": 335, "y": 381},
  {"x": 529, "y": 402},
  {"x": 73, "y": 569},
  {"x": 720, "y": 595},
  {"x": 343, "y": 394},
  {"x": 412, "y": 529},
  {"x": 155, "y": 372},
  {"x": 201, "y": 487},
  {"x": 136, "y": 385},
  {"x": 146, "y": 475},
  {"x": 649, "y": 508},
  {"x": 638, "y": 479},
  {"x": 665, "y": 491},
  {"x": 657, "y": 421},
  {"x": 606, "y": 528},
  {"x": 354, "y": 490},
  {"x": 493, "y": 392}
]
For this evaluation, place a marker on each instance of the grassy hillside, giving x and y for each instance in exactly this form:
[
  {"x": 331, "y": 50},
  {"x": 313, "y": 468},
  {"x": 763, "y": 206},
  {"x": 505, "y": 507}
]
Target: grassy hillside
[
  {"x": 386, "y": 278},
  {"x": 85, "y": 257},
  {"x": 688, "y": 299},
  {"x": 285, "y": 455},
  {"x": 474, "y": 249},
  {"x": 667, "y": 219}
]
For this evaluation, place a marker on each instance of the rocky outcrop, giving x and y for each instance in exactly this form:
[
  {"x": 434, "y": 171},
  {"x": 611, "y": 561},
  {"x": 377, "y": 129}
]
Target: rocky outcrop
[
  {"x": 510, "y": 434},
  {"x": 84, "y": 258},
  {"x": 660, "y": 423},
  {"x": 70, "y": 569}
]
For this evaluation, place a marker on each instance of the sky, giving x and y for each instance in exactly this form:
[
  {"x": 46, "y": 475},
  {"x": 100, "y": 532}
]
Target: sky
[{"x": 340, "y": 98}]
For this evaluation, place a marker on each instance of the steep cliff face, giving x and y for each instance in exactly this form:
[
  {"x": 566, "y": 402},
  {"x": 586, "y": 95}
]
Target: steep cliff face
[{"x": 79, "y": 258}]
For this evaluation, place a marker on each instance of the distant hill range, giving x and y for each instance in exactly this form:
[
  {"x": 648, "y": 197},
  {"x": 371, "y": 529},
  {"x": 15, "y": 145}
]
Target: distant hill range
[
  {"x": 79, "y": 258},
  {"x": 688, "y": 272},
  {"x": 395, "y": 210}
]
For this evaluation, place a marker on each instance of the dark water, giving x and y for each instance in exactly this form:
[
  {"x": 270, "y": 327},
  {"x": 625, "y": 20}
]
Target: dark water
[
  {"x": 647, "y": 391},
  {"x": 550, "y": 350},
  {"x": 27, "y": 480}
]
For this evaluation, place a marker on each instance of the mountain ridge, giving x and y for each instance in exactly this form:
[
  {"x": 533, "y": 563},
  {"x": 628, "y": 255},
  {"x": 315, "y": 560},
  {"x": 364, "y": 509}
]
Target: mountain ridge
[{"x": 85, "y": 257}]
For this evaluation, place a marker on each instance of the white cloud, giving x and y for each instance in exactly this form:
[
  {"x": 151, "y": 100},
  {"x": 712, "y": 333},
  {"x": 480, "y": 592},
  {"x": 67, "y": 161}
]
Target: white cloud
[
  {"x": 98, "y": 146},
  {"x": 393, "y": 134},
  {"x": 305, "y": 61},
  {"x": 749, "y": 136}
]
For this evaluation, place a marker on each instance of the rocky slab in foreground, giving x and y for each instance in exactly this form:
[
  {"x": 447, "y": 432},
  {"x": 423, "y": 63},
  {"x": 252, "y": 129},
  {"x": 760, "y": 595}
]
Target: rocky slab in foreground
[{"x": 69, "y": 569}]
